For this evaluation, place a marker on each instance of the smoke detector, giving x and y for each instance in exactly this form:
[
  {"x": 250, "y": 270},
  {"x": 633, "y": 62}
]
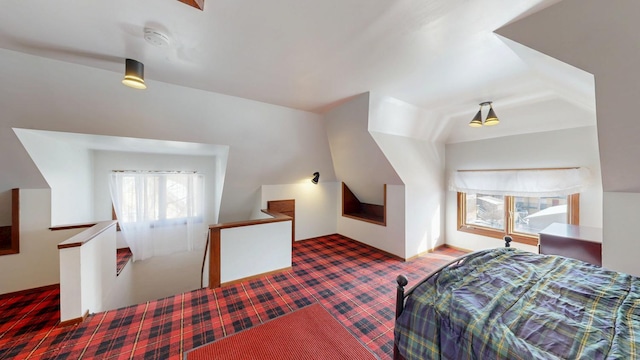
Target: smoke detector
[{"x": 156, "y": 38}]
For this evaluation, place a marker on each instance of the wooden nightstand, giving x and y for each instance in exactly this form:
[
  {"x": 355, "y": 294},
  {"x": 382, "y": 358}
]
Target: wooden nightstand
[{"x": 577, "y": 242}]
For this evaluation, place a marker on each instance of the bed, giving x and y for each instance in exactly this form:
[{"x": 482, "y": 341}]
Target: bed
[{"x": 510, "y": 304}]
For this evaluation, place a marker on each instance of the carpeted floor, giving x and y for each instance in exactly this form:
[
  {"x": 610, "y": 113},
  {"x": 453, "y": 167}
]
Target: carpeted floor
[
  {"x": 123, "y": 256},
  {"x": 353, "y": 282}
]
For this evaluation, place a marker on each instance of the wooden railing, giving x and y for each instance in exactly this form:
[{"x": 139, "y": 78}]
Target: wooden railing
[{"x": 215, "y": 234}]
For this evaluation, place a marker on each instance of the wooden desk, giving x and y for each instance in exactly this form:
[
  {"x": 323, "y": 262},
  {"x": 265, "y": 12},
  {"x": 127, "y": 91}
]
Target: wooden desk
[{"x": 577, "y": 242}]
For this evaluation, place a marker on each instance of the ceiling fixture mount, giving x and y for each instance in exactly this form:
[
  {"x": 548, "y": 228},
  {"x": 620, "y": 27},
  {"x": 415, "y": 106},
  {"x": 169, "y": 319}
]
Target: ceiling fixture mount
[
  {"x": 134, "y": 74},
  {"x": 198, "y": 4},
  {"x": 156, "y": 38},
  {"x": 490, "y": 120}
]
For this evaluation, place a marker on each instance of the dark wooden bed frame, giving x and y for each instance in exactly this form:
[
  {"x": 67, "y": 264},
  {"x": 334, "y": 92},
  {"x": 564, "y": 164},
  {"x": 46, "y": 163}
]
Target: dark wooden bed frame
[{"x": 401, "y": 294}]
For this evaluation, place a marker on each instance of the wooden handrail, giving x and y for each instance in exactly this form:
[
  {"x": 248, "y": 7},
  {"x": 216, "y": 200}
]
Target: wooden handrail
[
  {"x": 87, "y": 235},
  {"x": 214, "y": 236},
  {"x": 72, "y": 226}
]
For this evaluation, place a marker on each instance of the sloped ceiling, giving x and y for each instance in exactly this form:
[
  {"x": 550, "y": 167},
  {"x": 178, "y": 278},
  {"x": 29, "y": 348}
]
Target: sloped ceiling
[
  {"x": 441, "y": 56},
  {"x": 601, "y": 38}
]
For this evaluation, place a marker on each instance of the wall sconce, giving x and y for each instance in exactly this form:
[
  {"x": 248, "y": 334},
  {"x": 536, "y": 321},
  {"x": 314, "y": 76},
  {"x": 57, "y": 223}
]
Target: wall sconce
[
  {"x": 490, "y": 120},
  {"x": 316, "y": 177},
  {"x": 134, "y": 74}
]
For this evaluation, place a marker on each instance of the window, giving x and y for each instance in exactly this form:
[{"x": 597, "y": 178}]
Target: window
[
  {"x": 159, "y": 213},
  {"x": 521, "y": 217},
  {"x": 160, "y": 199}
]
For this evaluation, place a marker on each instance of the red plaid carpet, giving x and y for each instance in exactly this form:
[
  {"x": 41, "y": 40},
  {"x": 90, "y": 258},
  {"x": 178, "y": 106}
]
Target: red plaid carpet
[{"x": 355, "y": 283}]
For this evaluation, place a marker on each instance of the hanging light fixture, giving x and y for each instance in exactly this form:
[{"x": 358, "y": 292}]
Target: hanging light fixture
[
  {"x": 316, "y": 177},
  {"x": 490, "y": 120},
  {"x": 477, "y": 120},
  {"x": 134, "y": 74}
]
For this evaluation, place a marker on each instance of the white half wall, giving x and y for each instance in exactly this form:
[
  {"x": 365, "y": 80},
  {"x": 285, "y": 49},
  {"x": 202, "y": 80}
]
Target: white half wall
[
  {"x": 243, "y": 250},
  {"x": 316, "y": 207},
  {"x": 576, "y": 147},
  {"x": 38, "y": 263},
  {"x": 87, "y": 274}
]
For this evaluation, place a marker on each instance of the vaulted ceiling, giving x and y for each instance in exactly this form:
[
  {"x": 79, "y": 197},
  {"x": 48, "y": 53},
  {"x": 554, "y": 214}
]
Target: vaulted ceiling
[{"x": 442, "y": 56}]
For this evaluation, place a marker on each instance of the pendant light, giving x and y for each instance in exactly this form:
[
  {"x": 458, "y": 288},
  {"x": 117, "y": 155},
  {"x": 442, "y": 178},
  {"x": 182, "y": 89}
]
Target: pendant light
[
  {"x": 134, "y": 74},
  {"x": 490, "y": 120}
]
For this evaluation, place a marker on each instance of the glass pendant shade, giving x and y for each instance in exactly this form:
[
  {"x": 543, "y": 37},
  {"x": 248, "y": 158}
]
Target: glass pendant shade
[{"x": 134, "y": 74}]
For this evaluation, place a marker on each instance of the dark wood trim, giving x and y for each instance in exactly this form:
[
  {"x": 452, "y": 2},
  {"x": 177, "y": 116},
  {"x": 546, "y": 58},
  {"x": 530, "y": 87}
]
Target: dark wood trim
[
  {"x": 573, "y": 217},
  {"x": 276, "y": 217},
  {"x": 204, "y": 259},
  {"x": 15, "y": 224},
  {"x": 74, "y": 321},
  {"x": 354, "y": 209},
  {"x": 72, "y": 226},
  {"x": 30, "y": 291},
  {"x": 214, "y": 258},
  {"x": 248, "y": 278},
  {"x": 87, "y": 235},
  {"x": 15, "y": 220},
  {"x": 214, "y": 233},
  {"x": 198, "y": 4},
  {"x": 286, "y": 207},
  {"x": 573, "y": 210},
  {"x": 573, "y": 241}
]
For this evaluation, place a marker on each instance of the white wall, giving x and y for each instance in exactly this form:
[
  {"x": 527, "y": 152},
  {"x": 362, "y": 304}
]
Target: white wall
[
  {"x": 357, "y": 159},
  {"x": 316, "y": 206},
  {"x": 619, "y": 247},
  {"x": 390, "y": 238},
  {"x": 243, "y": 250},
  {"x": 407, "y": 136},
  {"x": 562, "y": 148},
  {"x": 268, "y": 144},
  {"x": 37, "y": 264},
  {"x": 68, "y": 171},
  {"x": 612, "y": 57}
]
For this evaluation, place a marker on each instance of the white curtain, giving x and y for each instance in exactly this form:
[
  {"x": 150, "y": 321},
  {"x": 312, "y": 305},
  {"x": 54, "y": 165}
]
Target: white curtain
[
  {"x": 534, "y": 183},
  {"x": 159, "y": 213}
]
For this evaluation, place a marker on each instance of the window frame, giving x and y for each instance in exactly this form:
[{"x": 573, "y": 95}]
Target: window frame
[{"x": 573, "y": 218}]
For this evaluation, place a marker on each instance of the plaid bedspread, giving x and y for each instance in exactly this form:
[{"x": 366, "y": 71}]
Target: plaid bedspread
[{"x": 511, "y": 304}]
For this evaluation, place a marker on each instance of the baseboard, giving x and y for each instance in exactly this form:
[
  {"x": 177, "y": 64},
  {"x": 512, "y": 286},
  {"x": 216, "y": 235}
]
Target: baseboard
[
  {"x": 74, "y": 321},
  {"x": 255, "y": 276},
  {"x": 375, "y": 248},
  {"x": 29, "y": 291}
]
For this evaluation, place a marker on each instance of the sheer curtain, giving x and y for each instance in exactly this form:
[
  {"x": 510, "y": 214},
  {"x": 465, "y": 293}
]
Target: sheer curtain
[{"x": 159, "y": 213}]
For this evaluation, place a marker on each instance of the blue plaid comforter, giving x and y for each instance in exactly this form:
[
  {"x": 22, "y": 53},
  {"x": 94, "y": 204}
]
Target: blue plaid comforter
[{"x": 510, "y": 304}]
